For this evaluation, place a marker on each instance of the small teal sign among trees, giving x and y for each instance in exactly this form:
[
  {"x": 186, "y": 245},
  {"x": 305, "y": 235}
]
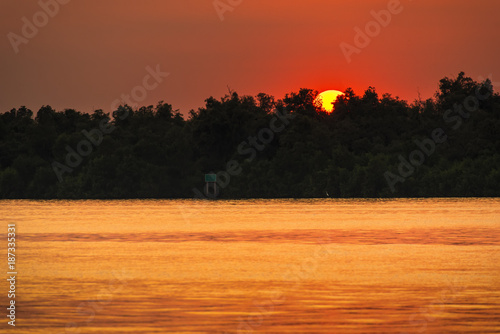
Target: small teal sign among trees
[{"x": 210, "y": 178}]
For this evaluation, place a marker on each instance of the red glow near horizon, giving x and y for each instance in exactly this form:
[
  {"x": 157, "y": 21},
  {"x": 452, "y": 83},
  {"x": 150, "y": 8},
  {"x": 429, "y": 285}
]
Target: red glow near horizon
[{"x": 259, "y": 46}]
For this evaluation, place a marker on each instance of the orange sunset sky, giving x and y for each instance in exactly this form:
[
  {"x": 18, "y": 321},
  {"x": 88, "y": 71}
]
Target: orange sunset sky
[{"x": 91, "y": 52}]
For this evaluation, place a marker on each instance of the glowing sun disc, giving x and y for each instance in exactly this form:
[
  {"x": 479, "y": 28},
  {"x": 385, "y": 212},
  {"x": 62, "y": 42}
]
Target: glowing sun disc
[{"x": 326, "y": 99}]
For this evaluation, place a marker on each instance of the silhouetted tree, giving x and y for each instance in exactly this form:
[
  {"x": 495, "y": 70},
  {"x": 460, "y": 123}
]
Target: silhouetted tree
[{"x": 282, "y": 147}]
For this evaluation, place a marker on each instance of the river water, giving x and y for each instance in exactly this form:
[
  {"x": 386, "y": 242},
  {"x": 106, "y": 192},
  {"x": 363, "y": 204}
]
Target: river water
[{"x": 255, "y": 266}]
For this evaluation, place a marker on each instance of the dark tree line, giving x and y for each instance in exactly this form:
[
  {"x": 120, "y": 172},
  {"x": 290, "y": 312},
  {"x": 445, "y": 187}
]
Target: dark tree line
[{"x": 370, "y": 146}]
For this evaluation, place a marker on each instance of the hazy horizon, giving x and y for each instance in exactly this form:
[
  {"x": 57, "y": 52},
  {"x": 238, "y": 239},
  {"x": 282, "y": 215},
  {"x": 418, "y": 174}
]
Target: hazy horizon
[{"x": 86, "y": 55}]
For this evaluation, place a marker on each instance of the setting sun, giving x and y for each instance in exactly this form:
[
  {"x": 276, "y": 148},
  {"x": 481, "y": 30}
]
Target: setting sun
[{"x": 326, "y": 99}]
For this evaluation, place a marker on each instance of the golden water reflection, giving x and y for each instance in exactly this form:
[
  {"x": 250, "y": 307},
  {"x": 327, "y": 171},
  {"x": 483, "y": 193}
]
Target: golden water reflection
[{"x": 280, "y": 266}]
